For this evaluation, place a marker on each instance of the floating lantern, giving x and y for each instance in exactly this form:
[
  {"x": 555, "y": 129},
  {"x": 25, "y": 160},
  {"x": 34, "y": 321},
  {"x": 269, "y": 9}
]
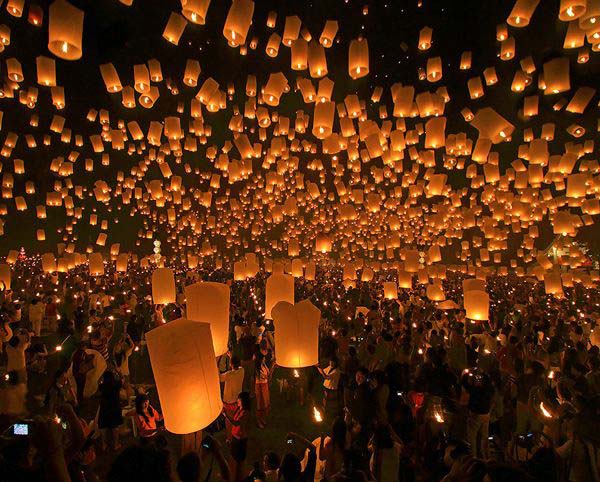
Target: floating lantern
[
  {"x": 65, "y": 30},
  {"x": 187, "y": 378},
  {"x": 163, "y": 286}
]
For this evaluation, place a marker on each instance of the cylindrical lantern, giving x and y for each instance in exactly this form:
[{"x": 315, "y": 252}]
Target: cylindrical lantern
[
  {"x": 186, "y": 374},
  {"x": 96, "y": 264},
  {"x": 390, "y": 290},
  {"x": 48, "y": 263},
  {"x": 279, "y": 287},
  {"x": 477, "y": 305},
  {"x": 163, "y": 286},
  {"x": 65, "y": 30},
  {"x": 296, "y": 334},
  {"x": 209, "y": 302},
  {"x": 358, "y": 58},
  {"x": 238, "y": 22},
  {"x": 4, "y": 277}
]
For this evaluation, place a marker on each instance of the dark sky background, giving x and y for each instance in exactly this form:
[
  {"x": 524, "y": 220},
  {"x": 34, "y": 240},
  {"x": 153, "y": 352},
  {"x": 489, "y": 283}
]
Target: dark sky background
[{"x": 130, "y": 35}]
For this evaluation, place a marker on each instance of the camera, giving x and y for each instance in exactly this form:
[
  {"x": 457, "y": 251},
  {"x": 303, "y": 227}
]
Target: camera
[
  {"x": 290, "y": 441},
  {"x": 20, "y": 429}
]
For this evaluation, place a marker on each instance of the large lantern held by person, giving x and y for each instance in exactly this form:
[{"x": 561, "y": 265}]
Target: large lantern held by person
[
  {"x": 279, "y": 287},
  {"x": 296, "y": 334},
  {"x": 477, "y": 305},
  {"x": 186, "y": 374},
  {"x": 65, "y": 30},
  {"x": 163, "y": 286},
  {"x": 4, "y": 277},
  {"x": 209, "y": 302},
  {"x": 390, "y": 290}
]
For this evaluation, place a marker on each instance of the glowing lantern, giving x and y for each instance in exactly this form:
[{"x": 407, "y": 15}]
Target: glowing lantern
[
  {"x": 163, "y": 286},
  {"x": 279, "y": 287},
  {"x": 390, "y": 290},
  {"x": 209, "y": 302},
  {"x": 553, "y": 284},
  {"x": 521, "y": 14},
  {"x": 556, "y": 76},
  {"x": 477, "y": 305},
  {"x": 48, "y": 263},
  {"x": 121, "y": 264},
  {"x": 571, "y": 9},
  {"x": 65, "y": 30},
  {"x": 4, "y": 277},
  {"x": 296, "y": 333},
  {"x": 435, "y": 293},
  {"x": 195, "y": 10},
  {"x": 174, "y": 28},
  {"x": 238, "y": 21},
  {"x": 96, "y": 264},
  {"x": 404, "y": 279},
  {"x": 186, "y": 374},
  {"x": 329, "y": 33},
  {"x": 358, "y": 58}
]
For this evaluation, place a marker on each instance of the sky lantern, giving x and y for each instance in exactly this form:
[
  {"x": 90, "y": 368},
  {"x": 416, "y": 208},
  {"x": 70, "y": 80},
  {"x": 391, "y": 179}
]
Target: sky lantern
[
  {"x": 174, "y": 28},
  {"x": 187, "y": 378},
  {"x": 163, "y": 286},
  {"x": 65, "y": 30},
  {"x": 48, "y": 263},
  {"x": 425, "y": 35},
  {"x": 390, "y": 290},
  {"x": 317, "y": 62},
  {"x": 521, "y": 13},
  {"x": 477, "y": 305},
  {"x": 279, "y": 287},
  {"x": 195, "y": 10},
  {"x": 238, "y": 22},
  {"x": 296, "y": 333},
  {"x": 570, "y": 10},
  {"x": 358, "y": 58},
  {"x": 553, "y": 284},
  {"x": 209, "y": 302},
  {"x": 96, "y": 264},
  {"x": 329, "y": 32},
  {"x": 4, "y": 277}
]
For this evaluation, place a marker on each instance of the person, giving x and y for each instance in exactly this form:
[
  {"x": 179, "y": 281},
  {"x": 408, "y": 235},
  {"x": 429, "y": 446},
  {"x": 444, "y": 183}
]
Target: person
[
  {"x": 361, "y": 403},
  {"x": 13, "y": 393},
  {"x": 385, "y": 448},
  {"x": 271, "y": 462},
  {"x": 36, "y": 315},
  {"x": 263, "y": 371},
  {"x": 240, "y": 422},
  {"x": 121, "y": 353},
  {"x": 109, "y": 411},
  {"x": 198, "y": 466},
  {"x": 290, "y": 469},
  {"x": 233, "y": 381},
  {"x": 331, "y": 375},
  {"x": 145, "y": 418},
  {"x": 82, "y": 364},
  {"x": 15, "y": 353},
  {"x": 60, "y": 391},
  {"x": 480, "y": 389},
  {"x": 332, "y": 448}
]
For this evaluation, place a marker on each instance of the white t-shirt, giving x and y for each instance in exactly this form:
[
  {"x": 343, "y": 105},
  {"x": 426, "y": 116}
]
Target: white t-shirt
[
  {"x": 16, "y": 356},
  {"x": 234, "y": 380}
]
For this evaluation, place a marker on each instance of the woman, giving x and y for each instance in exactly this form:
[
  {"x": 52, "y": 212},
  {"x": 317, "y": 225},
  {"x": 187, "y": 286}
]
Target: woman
[
  {"x": 145, "y": 417},
  {"x": 109, "y": 412},
  {"x": 121, "y": 352},
  {"x": 240, "y": 422},
  {"x": 263, "y": 369}
]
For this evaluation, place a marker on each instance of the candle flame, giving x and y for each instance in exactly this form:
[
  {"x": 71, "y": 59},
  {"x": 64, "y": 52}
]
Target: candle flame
[
  {"x": 317, "y": 415},
  {"x": 545, "y": 411}
]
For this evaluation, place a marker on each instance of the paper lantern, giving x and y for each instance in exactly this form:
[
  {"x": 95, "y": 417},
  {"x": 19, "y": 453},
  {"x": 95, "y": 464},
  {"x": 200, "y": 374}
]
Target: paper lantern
[
  {"x": 121, "y": 264},
  {"x": 48, "y": 263},
  {"x": 473, "y": 284},
  {"x": 209, "y": 302},
  {"x": 195, "y": 10},
  {"x": 404, "y": 279},
  {"x": 366, "y": 275},
  {"x": 279, "y": 287},
  {"x": 96, "y": 264},
  {"x": 317, "y": 62},
  {"x": 12, "y": 256},
  {"x": 186, "y": 374},
  {"x": 553, "y": 284},
  {"x": 358, "y": 58},
  {"x": 323, "y": 119},
  {"x": 571, "y": 9},
  {"x": 15, "y": 7},
  {"x": 477, "y": 305},
  {"x": 291, "y": 29},
  {"x": 238, "y": 21},
  {"x": 521, "y": 14},
  {"x": 310, "y": 271},
  {"x": 297, "y": 268},
  {"x": 163, "y": 286},
  {"x": 329, "y": 33},
  {"x": 174, "y": 28},
  {"x": 65, "y": 30},
  {"x": 556, "y": 76},
  {"x": 425, "y": 35},
  {"x": 296, "y": 334},
  {"x": 390, "y": 290},
  {"x": 435, "y": 293},
  {"x": 4, "y": 277}
]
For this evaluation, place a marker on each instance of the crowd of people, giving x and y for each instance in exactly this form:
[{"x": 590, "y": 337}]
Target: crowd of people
[{"x": 404, "y": 391}]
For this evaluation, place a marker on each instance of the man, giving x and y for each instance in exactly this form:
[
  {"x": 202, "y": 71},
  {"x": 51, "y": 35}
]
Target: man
[
  {"x": 480, "y": 389},
  {"x": 233, "y": 380},
  {"x": 36, "y": 314}
]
